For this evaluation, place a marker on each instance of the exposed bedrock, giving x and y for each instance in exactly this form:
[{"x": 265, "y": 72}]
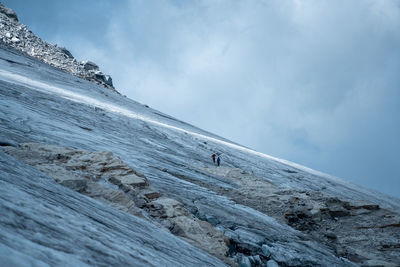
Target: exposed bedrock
[
  {"x": 105, "y": 177},
  {"x": 45, "y": 224}
]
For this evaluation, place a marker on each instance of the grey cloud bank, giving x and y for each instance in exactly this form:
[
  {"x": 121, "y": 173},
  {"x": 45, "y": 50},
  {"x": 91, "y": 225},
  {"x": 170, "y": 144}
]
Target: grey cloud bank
[{"x": 314, "y": 82}]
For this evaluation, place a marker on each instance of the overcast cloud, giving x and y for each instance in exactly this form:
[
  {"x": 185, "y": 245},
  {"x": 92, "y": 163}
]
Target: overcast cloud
[{"x": 314, "y": 82}]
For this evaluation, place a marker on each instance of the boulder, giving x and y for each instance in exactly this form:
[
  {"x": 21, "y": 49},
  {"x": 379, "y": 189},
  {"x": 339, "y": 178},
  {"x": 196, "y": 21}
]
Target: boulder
[
  {"x": 257, "y": 260},
  {"x": 151, "y": 194},
  {"x": 78, "y": 185},
  {"x": 266, "y": 250},
  {"x": 8, "y": 12},
  {"x": 15, "y": 40},
  {"x": 66, "y": 52},
  {"x": 107, "y": 80},
  {"x": 98, "y": 75},
  {"x": 244, "y": 262},
  {"x": 272, "y": 263},
  {"x": 89, "y": 65},
  {"x": 131, "y": 180}
]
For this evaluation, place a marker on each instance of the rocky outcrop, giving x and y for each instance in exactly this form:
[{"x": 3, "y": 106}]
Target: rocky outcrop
[
  {"x": 175, "y": 217},
  {"x": 45, "y": 224},
  {"x": 105, "y": 177},
  {"x": 353, "y": 229},
  {"x": 18, "y": 36},
  {"x": 362, "y": 232},
  {"x": 8, "y": 12}
]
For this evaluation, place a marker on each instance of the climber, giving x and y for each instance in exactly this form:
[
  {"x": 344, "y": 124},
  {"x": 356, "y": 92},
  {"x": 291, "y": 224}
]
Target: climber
[
  {"x": 213, "y": 157},
  {"x": 218, "y": 161}
]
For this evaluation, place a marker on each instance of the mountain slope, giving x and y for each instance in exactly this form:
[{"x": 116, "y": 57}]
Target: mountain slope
[
  {"x": 16, "y": 35},
  {"x": 152, "y": 195},
  {"x": 252, "y": 199}
]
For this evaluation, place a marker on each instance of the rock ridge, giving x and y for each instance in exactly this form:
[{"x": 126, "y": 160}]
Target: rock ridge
[{"x": 15, "y": 34}]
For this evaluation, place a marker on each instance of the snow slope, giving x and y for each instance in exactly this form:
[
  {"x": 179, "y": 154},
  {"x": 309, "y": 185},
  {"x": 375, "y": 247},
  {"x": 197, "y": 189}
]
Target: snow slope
[{"x": 39, "y": 103}]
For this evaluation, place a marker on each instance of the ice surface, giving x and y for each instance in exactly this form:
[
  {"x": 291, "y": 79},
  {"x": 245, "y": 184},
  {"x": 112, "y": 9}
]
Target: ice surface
[{"x": 41, "y": 104}]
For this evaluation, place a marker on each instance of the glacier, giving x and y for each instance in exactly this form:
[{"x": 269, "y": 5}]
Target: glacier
[{"x": 44, "y": 223}]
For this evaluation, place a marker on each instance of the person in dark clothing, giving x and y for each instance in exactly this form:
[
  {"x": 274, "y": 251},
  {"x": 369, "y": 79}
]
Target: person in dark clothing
[
  {"x": 213, "y": 157},
  {"x": 218, "y": 161}
]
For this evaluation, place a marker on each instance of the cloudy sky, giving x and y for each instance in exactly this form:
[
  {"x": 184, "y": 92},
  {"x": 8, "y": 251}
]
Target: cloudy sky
[{"x": 315, "y": 82}]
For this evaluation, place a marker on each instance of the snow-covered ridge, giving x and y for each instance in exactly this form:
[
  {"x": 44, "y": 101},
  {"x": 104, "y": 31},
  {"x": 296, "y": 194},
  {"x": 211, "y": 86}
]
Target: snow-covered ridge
[{"x": 18, "y": 36}]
